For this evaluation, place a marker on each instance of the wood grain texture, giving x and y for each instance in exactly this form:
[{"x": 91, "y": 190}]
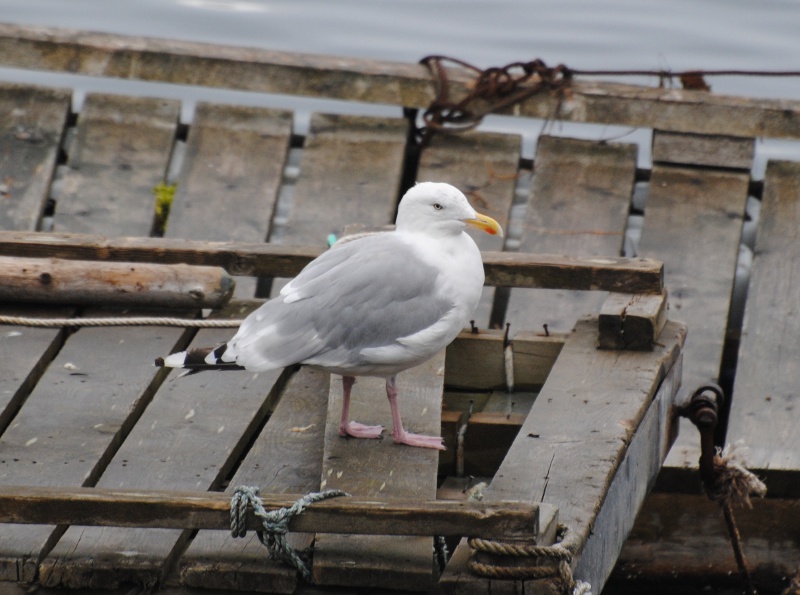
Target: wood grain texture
[
  {"x": 59, "y": 281},
  {"x": 632, "y": 321},
  {"x": 285, "y": 458},
  {"x": 548, "y": 271},
  {"x": 476, "y": 360},
  {"x": 99, "y": 383},
  {"x": 189, "y": 437},
  {"x": 170, "y": 509},
  {"x": 591, "y": 445},
  {"x": 765, "y": 400},
  {"x": 26, "y": 352},
  {"x": 229, "y": 182},
  {"x": 381, "y": 469},
  {"x": 578, "y": 207},
  {"x": 334, "y": 77},
  {"x": 121, "y": 152},
  {"x": 693, "y": 223},
  {"x": 338, "y": 184},
  {"x": 485, "y": 167},
  {"x": 32, "y": 121},
  {"x": 728, "y": 152}
]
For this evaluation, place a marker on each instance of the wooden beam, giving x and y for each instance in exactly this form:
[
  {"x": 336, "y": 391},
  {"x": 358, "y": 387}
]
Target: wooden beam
[
  {"x": 55, "y": 280},
  {"x": 550, "y": 271},
  {"x": 374, "y": 81},
  {"x": 632, "y": 321},
  {"x": 211, "y": 510}
]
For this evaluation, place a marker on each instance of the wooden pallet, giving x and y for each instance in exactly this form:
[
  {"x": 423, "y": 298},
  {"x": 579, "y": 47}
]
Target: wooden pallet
[{"x": 127, "y": 425}]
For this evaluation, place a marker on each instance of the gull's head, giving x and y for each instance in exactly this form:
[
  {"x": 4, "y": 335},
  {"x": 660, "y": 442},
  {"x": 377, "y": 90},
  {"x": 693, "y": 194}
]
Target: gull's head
[{"x": 442, "y": 209}]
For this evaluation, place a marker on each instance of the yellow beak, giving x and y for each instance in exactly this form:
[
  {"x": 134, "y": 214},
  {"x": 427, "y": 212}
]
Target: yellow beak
[{"x": 487, "y": 224}]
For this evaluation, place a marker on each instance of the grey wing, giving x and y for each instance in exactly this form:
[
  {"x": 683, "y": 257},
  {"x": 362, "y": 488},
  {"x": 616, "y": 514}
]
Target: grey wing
[{"x": 365, "y": 294}]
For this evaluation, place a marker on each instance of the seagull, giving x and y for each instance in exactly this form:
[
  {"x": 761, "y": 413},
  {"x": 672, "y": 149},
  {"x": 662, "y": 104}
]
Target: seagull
[{"x": 372, "y": 305}]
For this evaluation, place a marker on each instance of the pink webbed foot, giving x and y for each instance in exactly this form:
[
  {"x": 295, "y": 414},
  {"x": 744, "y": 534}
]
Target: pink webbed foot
[
  {"x": 357, "y": 430},
  {"x": 403, "y": 437}
]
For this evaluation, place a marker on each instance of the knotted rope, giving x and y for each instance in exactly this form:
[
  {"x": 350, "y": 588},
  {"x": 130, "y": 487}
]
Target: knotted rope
[
  {"x": 275, "y": 523},
  {"x": 548, "y": 561}
]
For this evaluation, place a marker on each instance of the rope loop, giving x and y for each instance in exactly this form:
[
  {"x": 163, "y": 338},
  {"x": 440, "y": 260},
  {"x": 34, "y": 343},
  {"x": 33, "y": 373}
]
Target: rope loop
[
  {"x": 547, "y": 561},
  {"x": 275, "y": 524}
]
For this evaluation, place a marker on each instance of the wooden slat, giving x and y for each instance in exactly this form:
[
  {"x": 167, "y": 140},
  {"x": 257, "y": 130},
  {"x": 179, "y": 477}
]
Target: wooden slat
[
  {"x": 167, "y": 509},
  {"x": 485, "y": 167},
  {"x": 765, "y": 399},
  {"x": 476, "y": 360},
  {"x": 729, "y": 152},
  {"x": 547, "y": 271},
  {"x": 578, "y": 207},
  {"x": 120, "y": 154},
  {"x": 252, "y": 69},
  {"x": 188, "y": 438},
  {"x": 591, "y": 445},
  {"x": 229, "y": 182},
  {"x": 285, "y": 458},
  {"x": 338, "y": 185},
  {"x": 72, "y": 422},
  {"x": 26, "y": 354},
  {"x": 693, "y": 222},
  {"x": 381, "y": 469},
  {"x": 32, "y": 121}
]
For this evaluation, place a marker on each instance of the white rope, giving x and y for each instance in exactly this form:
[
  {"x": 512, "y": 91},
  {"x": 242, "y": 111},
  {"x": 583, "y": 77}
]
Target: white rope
[{"x": 123, "y": 321}]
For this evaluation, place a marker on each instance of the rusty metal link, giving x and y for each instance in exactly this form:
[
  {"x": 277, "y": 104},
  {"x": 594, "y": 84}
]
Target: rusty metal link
[
  {"x": 719, "y": 480},
  {"x": 702, "y": 410},
  {"x": 500, "y": 87}
]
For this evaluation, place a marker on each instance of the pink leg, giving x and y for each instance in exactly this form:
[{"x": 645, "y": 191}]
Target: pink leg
[
  {"x": 353, "y": 428},
  {"x": 398, "y": 433}
]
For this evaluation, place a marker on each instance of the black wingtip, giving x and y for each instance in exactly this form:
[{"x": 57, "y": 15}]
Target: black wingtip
[{"x": 160, "y": 362}]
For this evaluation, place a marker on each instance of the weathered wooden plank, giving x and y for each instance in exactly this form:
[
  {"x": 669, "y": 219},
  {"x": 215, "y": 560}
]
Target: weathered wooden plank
[
  {"x": 26, "y": 354},
  {"x": 485, "y": 167},
  {"x": 73, "y": 421},
  {"x": 32, "y": 121},
  {"x": 632, "y": 321},
  {"x": 547, "y": 271},
  {"x": 129, "y": 507},
  {"x": 383, "y": 470},
  {"x": 730, "y": 152},
  {"x": 693, "y": 222},
  {"x": 188, "y": 438},
  {"x": 55, "y": 280},
  {"x": 232, "y": 171},
  {"x": 253, "y": 69},
  {"x": 476, "y": 360},
  {"x": 120, "y": 153},
  {"x": 337, "y": 173},
  {"x": 285, "y": 458},
  {"x": 578, "y": 206},
  {"x": 592, "y": 446},
  {"x": 765, "y": 393}
]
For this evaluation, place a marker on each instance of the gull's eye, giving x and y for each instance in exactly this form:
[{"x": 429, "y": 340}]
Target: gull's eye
[{"x": 437, "y": 206}]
